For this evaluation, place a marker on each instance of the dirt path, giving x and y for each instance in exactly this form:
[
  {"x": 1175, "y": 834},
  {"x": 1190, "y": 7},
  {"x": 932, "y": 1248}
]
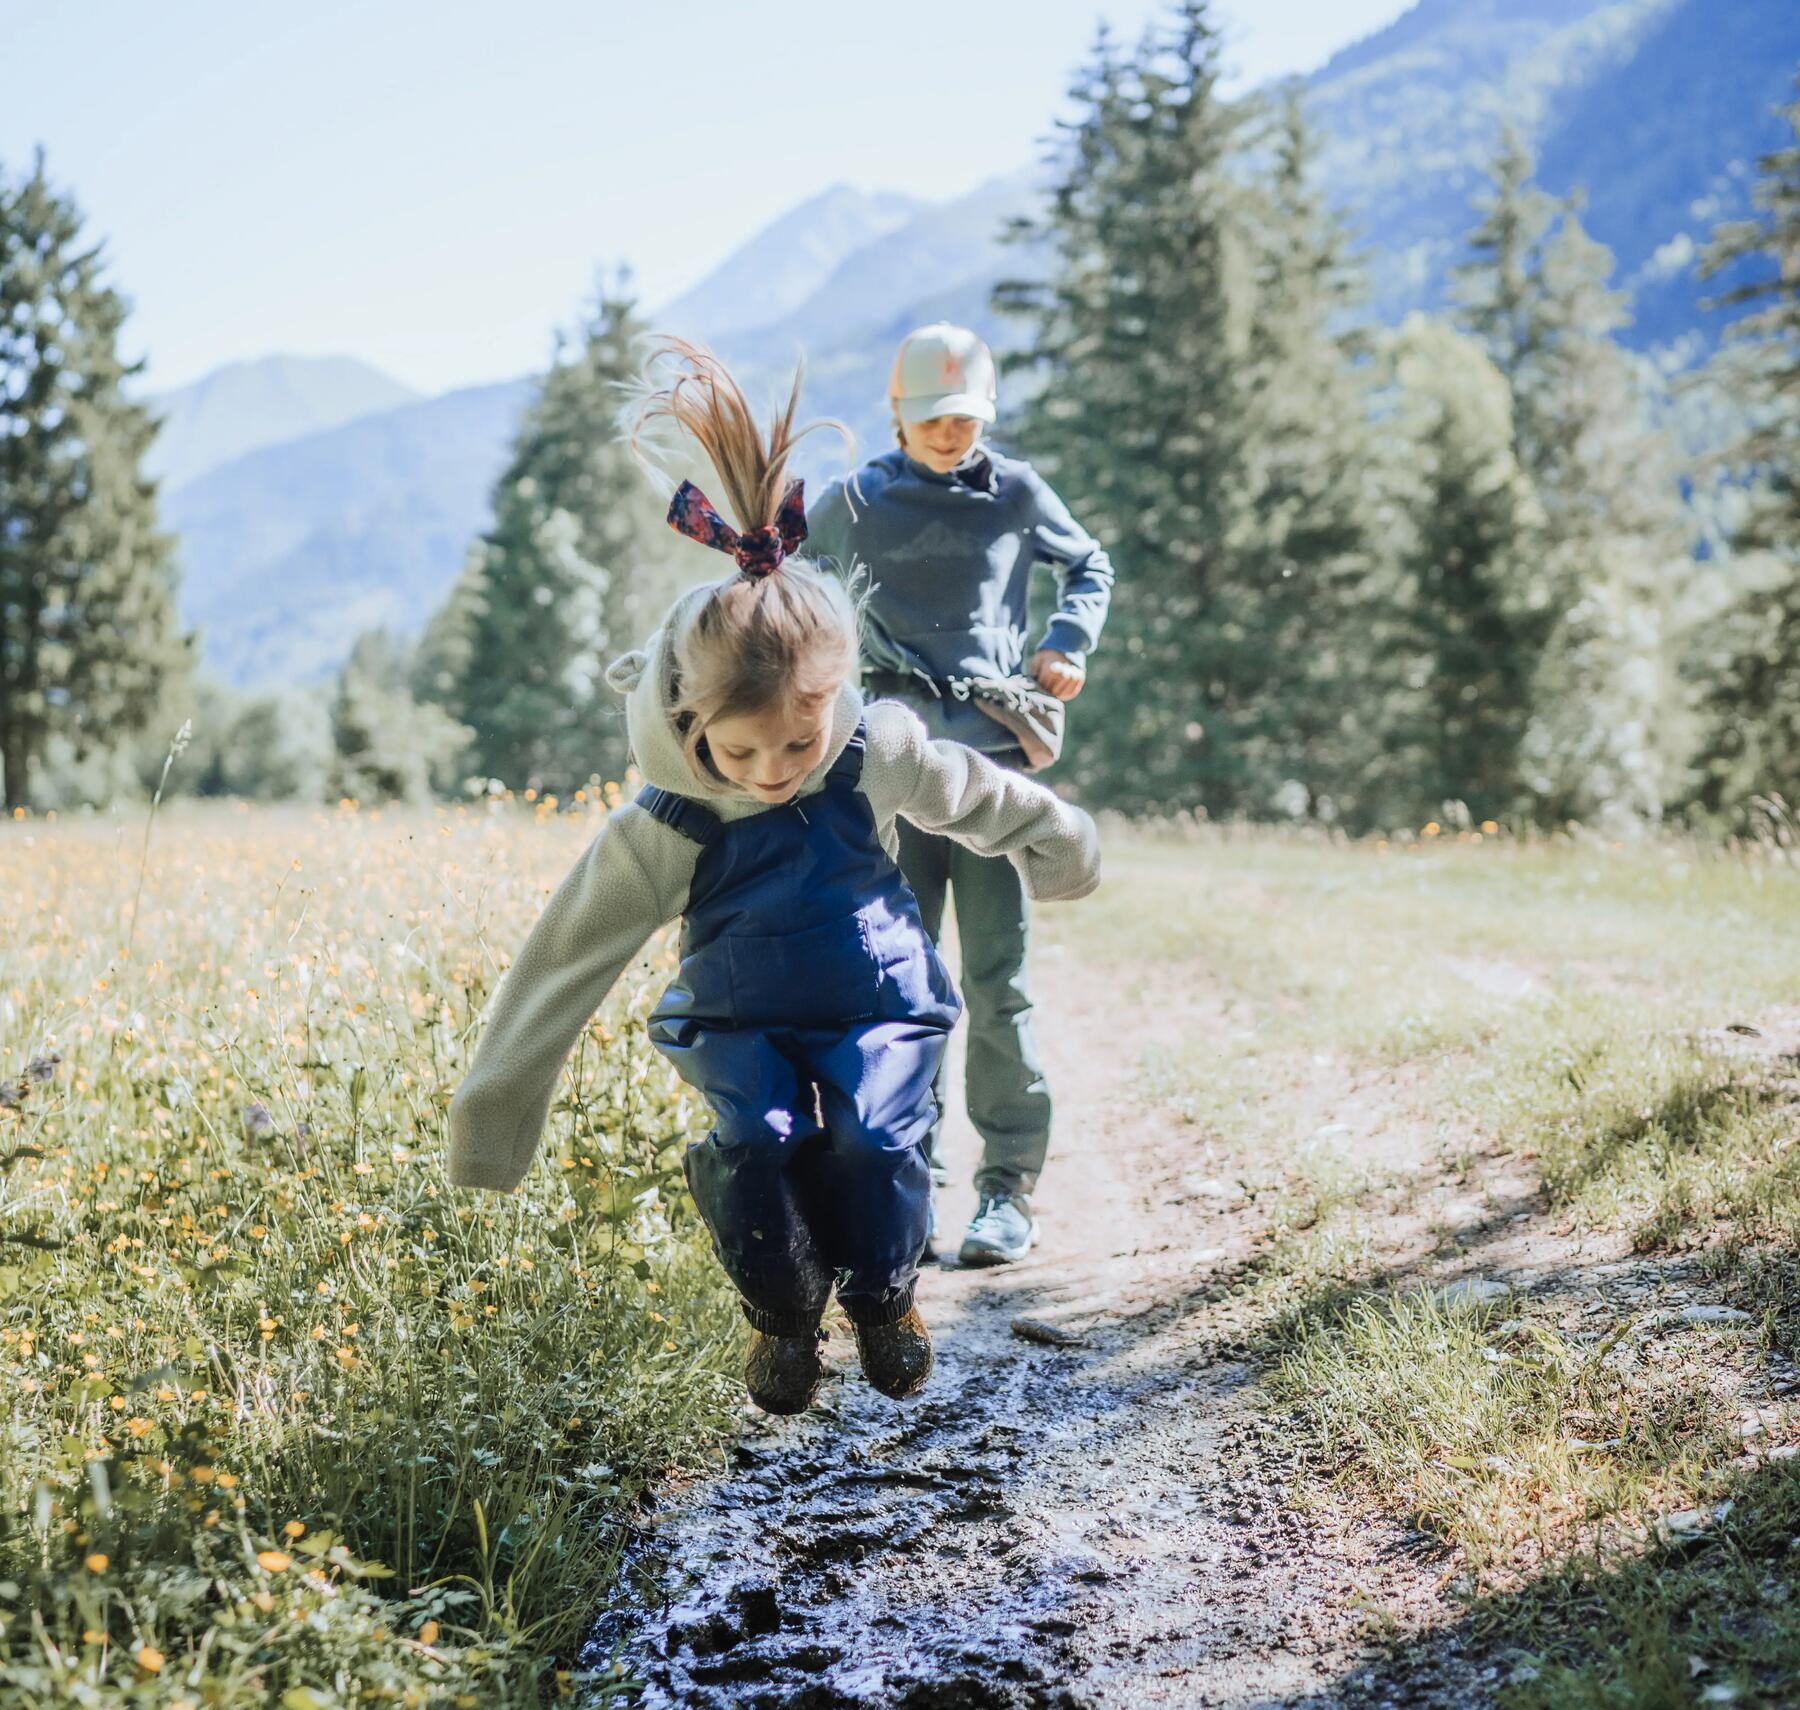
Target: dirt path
[{"x": 1102, "y": 1523}]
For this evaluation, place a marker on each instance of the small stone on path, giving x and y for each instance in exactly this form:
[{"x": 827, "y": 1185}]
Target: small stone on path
[
  {"x": 1474, "y": 1291},
  {"x": 1712, "y": 1315}
]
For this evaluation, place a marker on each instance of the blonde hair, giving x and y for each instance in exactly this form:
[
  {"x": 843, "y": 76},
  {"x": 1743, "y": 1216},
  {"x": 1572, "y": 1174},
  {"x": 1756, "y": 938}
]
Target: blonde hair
[{"x": 749, "y": 642}]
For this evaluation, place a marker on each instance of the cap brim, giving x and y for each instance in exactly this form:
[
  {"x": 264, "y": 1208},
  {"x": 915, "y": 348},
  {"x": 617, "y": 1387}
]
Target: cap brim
[{"x": 950, "y": 404}]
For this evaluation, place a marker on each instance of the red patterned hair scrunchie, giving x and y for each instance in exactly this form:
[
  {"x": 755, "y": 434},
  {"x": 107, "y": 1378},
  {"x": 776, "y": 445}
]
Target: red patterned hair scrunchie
[{"x": 757, "y": 552}]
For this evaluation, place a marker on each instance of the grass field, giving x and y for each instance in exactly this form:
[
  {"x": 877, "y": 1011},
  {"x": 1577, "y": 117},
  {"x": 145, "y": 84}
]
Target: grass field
[{"x": 288, "y": 1421}]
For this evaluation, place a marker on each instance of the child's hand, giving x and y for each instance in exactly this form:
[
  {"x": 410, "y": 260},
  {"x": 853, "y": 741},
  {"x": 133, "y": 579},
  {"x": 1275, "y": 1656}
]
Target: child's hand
[{"x": 1057, "y": 674}]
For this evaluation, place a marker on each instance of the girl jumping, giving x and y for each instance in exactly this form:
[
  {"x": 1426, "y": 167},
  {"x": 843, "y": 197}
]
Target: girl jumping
[{"x": 810, "y": 1007}]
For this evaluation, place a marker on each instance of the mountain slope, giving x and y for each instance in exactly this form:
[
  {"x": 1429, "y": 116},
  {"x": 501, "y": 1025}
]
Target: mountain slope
[
  {"x": 1665, "y": 143},
  {"x": 1641, "y": 105},
  {"x": 1410, "y": 119},
  {"x": 939, "y": 247},
  {"x": 287, "y": 553},
  {"x": 940, "y": 265},
  {"x": 786, "y": 262},
  {"x": 246, "y": 405},
  {"x": 1657, "y": 109}
]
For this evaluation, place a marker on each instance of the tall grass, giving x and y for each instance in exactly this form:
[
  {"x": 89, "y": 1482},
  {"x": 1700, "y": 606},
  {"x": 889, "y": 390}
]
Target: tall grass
[{"x": 288, "y": 1420}]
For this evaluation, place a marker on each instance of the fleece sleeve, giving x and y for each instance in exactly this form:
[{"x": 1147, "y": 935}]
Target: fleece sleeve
[
  {"x": 1084, "y": 574},
  {"x": 633, "y": 878},
  {"x": 949, "y": 788}
]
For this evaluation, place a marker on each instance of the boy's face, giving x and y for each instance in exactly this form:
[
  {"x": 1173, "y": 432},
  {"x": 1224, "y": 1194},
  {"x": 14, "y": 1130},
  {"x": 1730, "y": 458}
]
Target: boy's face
[
  {"x": 942, "y": 442},
  {"x": 768, "y": 754}
]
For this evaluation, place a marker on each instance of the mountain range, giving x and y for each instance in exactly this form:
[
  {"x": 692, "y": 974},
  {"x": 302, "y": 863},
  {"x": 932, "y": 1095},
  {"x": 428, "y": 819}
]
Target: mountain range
[
  {"x": 313, "y": 499},
  {"x": 244, "y": 406}
]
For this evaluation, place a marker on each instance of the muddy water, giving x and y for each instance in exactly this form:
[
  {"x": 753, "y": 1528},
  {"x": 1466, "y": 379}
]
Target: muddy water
[{"x": 1098, "y": 1524}]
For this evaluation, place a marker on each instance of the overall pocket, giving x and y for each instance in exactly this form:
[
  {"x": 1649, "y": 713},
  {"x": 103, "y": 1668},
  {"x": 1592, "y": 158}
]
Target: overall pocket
[{"x": 823, "y": 976}]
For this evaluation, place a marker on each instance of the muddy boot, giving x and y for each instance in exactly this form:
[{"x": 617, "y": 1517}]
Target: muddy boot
[
  {"x": 783, "y": 1373},
  {"x": 896, "y": 1358}
]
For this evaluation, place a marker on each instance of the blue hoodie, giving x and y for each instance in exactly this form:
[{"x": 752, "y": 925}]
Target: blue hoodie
[{"x": 950, "y": 558}]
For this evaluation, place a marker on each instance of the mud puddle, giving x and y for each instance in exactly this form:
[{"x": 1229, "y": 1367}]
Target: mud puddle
[{"x": 1046, "y": 1527}]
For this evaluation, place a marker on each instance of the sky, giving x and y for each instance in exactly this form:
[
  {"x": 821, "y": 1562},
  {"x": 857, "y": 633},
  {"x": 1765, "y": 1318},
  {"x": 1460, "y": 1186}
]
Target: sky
[{"x": 432, "y": 187}]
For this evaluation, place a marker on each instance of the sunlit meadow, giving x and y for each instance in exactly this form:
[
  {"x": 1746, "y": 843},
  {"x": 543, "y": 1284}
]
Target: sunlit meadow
[{"x": 289, "y": 1421}]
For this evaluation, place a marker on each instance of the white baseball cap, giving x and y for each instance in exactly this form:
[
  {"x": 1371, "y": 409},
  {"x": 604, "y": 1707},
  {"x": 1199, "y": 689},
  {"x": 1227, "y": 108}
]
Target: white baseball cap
[{"x": 943, "y": 370}]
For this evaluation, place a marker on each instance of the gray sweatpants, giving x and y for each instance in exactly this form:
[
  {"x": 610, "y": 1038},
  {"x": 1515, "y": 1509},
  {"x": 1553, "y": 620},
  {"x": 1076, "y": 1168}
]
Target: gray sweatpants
[{"x": 1008, "y": 1098}]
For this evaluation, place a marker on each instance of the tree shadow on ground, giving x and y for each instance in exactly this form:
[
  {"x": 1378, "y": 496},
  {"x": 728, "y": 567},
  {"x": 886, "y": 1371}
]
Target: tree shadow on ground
[
  {"x": 1711, "y": 1616},
  {"x": 1716, "y": 1611},
  {"x": 1689, "y": 1114}
]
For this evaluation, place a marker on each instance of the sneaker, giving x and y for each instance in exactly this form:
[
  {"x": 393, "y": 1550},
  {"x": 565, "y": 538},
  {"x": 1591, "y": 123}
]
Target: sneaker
[
  {"x": 783, "y": 1373},
  {"x": 1003, "y": 1230},
  {"x": 896, "y": 1358}
]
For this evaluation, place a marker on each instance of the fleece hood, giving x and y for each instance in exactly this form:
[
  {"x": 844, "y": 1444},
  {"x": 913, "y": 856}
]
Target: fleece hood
[{"x": 645, "y": 677}]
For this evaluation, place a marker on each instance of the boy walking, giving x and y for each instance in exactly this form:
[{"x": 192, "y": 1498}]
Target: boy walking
[{"x": 949, "y": 531}]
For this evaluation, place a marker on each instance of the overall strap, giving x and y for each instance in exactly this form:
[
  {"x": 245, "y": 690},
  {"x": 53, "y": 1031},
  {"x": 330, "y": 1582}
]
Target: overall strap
[
  {"x": 696, "y": 823},
  {"x": 846, "y": 769}
]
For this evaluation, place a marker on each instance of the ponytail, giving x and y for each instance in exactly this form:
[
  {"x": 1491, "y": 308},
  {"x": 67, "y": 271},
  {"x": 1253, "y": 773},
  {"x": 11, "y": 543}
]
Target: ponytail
[{"x": 779, "y": 632}]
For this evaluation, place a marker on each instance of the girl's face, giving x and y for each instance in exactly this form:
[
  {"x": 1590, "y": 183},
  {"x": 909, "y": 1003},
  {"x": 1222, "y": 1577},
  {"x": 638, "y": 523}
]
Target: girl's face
[
  {"x": 768, "y": 754},
  {"x": 942, "y": 442}
]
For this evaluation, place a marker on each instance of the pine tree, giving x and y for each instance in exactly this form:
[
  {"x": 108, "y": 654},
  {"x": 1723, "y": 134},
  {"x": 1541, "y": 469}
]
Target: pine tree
[
  {"x": 1537, "y": 293},
  {"x": 1313, "y": 588},
  {"x": 1752, "y": 705},
  {"x": 561, "y": 582},
  {"x": 88, "y": 636},
  {"x": 1132, "y": 343},
  {"x": 279, "y": 747},
  {"x": 1193, "y": 403},
  {"x": 1473, "y": 611},
  {"x": 387, "y": 745},
  {"x": 1498, "y": 287}
]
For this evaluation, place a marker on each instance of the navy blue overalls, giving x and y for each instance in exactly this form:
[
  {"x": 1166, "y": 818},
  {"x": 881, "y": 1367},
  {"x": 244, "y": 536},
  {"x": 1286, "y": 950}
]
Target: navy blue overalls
[{"x": 812, "y": 1012}]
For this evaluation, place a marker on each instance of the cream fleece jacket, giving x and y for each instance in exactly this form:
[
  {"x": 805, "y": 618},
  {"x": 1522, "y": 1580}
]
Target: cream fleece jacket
[{"x": 635, "y": 875}]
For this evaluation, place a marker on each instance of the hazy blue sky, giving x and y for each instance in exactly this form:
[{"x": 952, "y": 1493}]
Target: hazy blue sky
[{"x": 430, "y": 186}]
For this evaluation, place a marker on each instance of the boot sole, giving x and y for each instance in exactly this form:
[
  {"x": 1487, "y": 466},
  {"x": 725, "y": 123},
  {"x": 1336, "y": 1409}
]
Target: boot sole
[
  {"x": 896, "y": 1385},
  {"x": 911, "y": 1389},
  {"x": 784, "y": 1406}
]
